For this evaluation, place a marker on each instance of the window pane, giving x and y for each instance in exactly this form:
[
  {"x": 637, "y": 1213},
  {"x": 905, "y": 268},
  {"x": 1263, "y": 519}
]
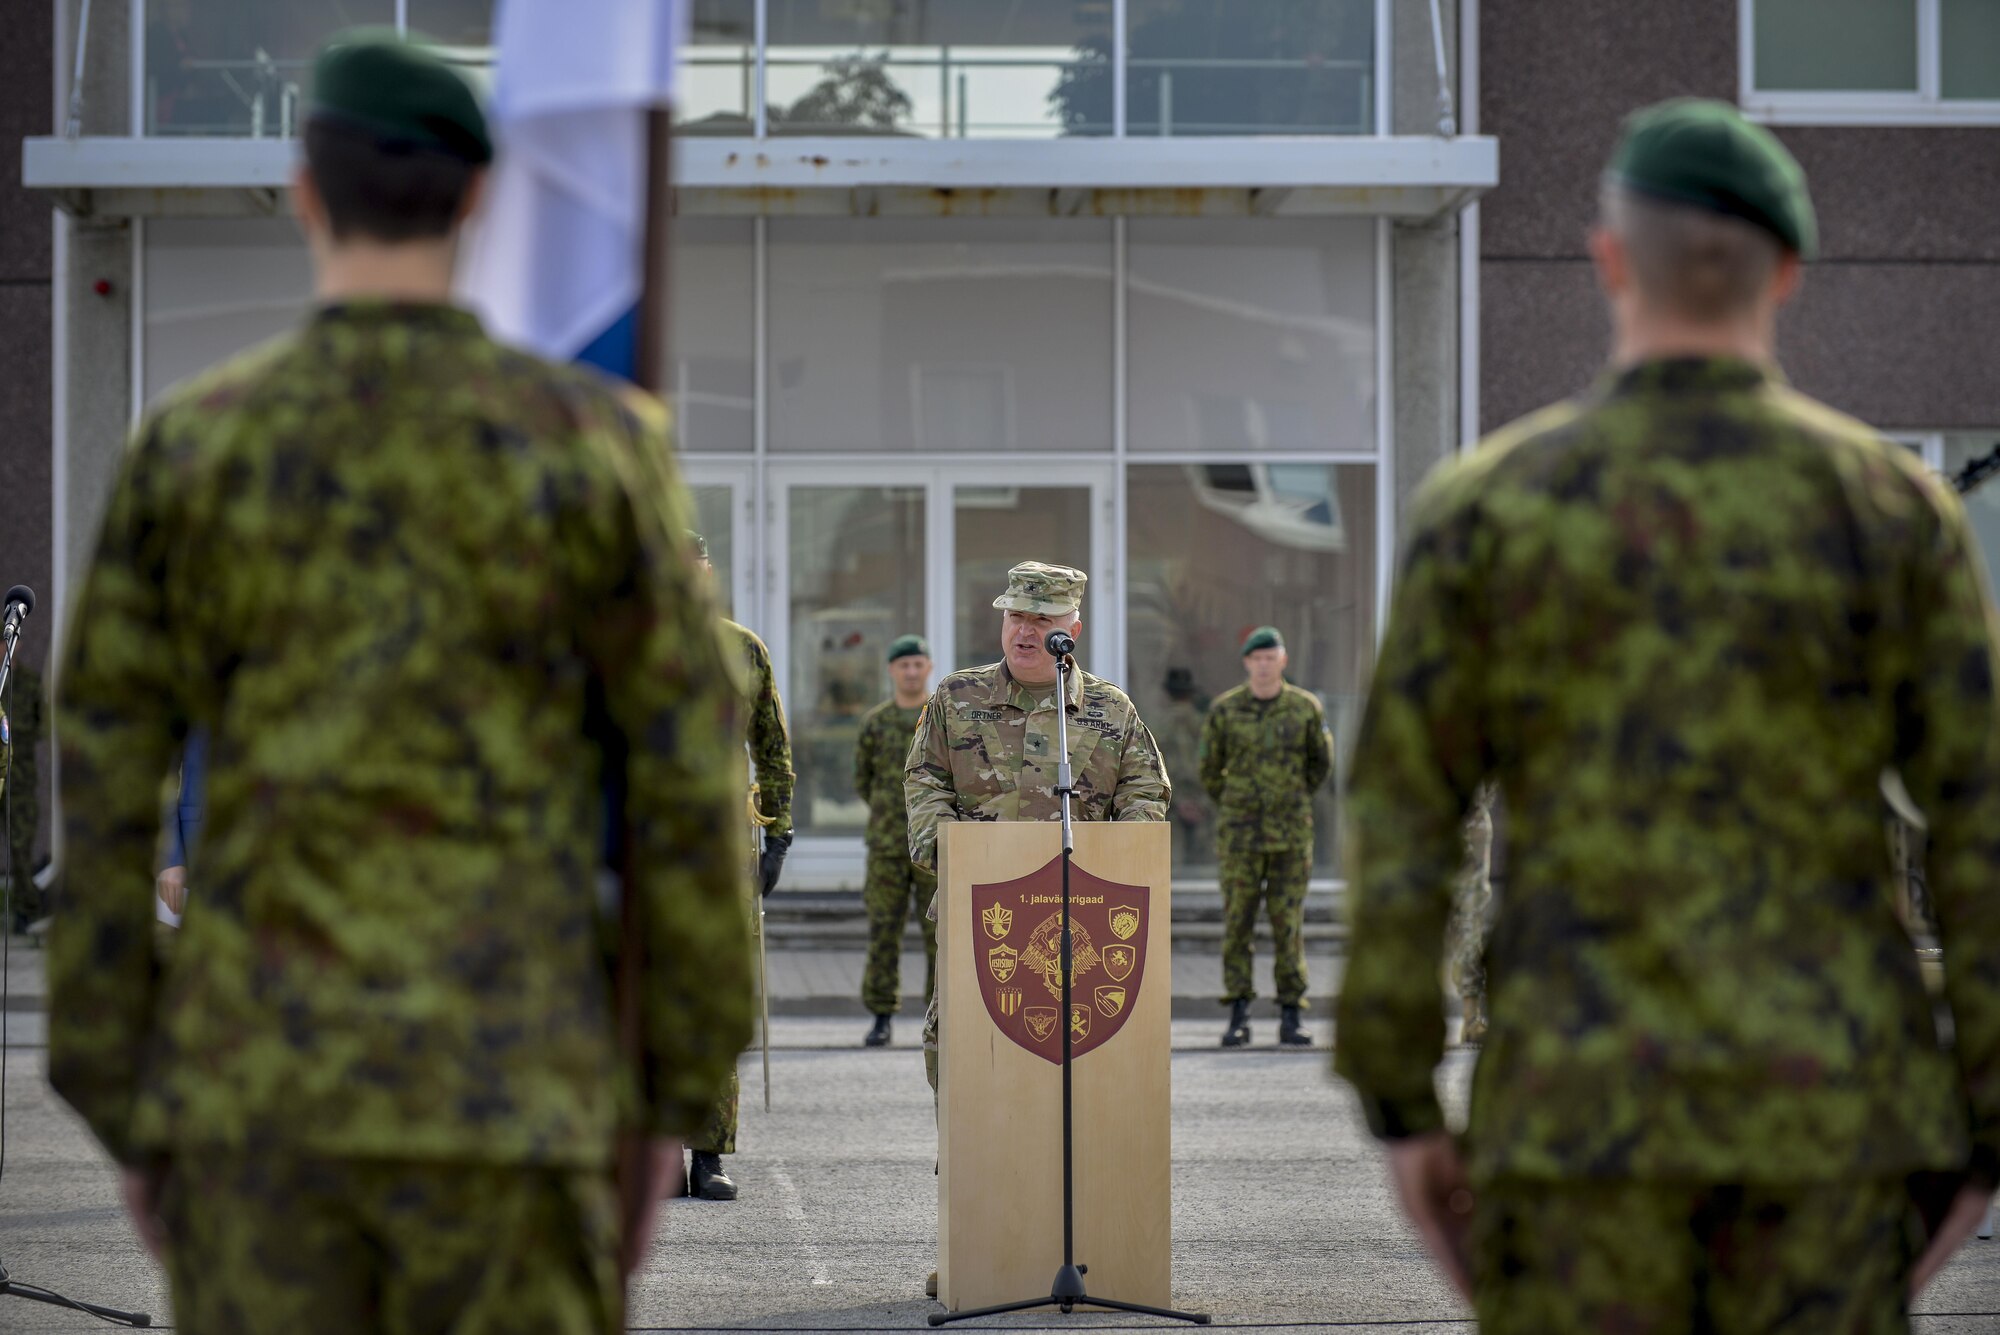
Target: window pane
[
  {"x": 1982, "y": 503},
  {"x": 1250, "y": 67},
  {"x": 1210, "y": 561},
  {"x": 952, "y": 336},
  {"x": 717, "y": 92},
  {"x": 238, "y": 67},
  {"x": 215, "y": 287},
  {"x": 1971, "y": 41},
  {"x": 1836, "y": 45},
  {"x": 948, "y": 68},
  {"x": 997, "y": 528},
  {"x": 465, "y": 24},
  {"x": 857, "y": 582},
  {"x": 715, "y": 520},
  {"x": 1250, "y": 336},
  {"x": 713, "y": 340}
]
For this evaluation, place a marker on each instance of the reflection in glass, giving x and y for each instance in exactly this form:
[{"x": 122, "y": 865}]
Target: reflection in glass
[
  {"x": 941, "y": 68},
  {"x": 462, "y": 24},
  {"x": 947, "y": 336},
  {"x": 713, "y": 379},
  {"x": 1982, "y": 503},
  {"x": 1836, "y": 45},
  {"x": 238, "y": 67},
  {"x": 1970, "y": 40},
  {"x": 1251, "y": 336},
  {"x": 714, "y": 519},
  {"x": 997, "y": 528},
  {"x": 216, "y": 287},
  {"x": 857, "y": 582},
  {"x": 1249, "y": 67},
  {"x": 716, "y": 92},
  {"x": 1217, "y": 549}
]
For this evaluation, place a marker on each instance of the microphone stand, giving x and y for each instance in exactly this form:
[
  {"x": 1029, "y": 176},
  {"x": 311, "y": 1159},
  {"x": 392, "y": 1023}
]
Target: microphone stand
[
  {"x": 1067, "y": 1292},
  {"x": 9, "y": 1287}
]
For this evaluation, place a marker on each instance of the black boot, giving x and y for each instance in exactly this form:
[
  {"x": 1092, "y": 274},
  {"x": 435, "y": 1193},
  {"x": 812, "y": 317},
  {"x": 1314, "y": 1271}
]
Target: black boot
[
  {"x": 1291, "y": 1032},
  {"x": 1238, "y": 1032},
  {"x": 707, "y": 1180},
  {"x": 878, "y": 1037}
]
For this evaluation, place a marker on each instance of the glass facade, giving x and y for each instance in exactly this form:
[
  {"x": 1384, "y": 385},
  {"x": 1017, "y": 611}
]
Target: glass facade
[
  {"x": 713, "y": 338},
  {"x": 1969, "y": 49},
  {"x": 1845, "y": 45},
  {"x": 1018, "y": 69}
]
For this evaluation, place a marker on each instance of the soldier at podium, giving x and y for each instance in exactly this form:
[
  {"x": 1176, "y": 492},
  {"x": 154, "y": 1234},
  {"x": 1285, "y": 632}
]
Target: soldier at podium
[{"x": 986, "y": 748}]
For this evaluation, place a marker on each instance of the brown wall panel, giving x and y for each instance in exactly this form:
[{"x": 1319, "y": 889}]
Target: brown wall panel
[
  {"x": 1898, "y": 345},
  {"x": 1543, "y": 336},
  {"x": 27, "y": 63},
  {"x": 25, "y": 539},
  {"x": 1902, "y": 193}
]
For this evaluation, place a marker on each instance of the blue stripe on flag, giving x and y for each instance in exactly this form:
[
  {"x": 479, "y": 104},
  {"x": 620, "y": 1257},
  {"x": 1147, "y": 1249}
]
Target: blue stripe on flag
[{"x": 616, "y": 350}]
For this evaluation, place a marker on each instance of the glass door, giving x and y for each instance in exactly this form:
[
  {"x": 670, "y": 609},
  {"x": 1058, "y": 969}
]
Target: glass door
[{"x": 724, "y": 505}]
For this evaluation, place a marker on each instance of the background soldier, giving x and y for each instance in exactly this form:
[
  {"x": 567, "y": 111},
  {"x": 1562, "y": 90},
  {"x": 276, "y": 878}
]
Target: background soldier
[
  {"x": 770, "y": 809},
  {"x": 896, "y": 888},
  {"x": 1265, "y": 750},
  {"x": 986, "y": 748},
  {"x": 1686, "y": 624},
  {"x": 1179, "y": 731},
  {"x": 385, "y": 1069}
]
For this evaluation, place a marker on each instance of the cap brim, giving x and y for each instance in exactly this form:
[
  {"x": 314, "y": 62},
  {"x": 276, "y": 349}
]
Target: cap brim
[{"x": 1041, "y": 607}]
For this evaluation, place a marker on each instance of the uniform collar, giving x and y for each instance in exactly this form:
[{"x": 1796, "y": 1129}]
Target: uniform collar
[
  {"x": 1676, "y": 376},
  {"x": 369, "y": 314}
]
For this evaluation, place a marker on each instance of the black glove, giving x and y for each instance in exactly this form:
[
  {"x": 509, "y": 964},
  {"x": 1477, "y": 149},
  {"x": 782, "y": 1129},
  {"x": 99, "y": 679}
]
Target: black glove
[{"x": 772, "y": 860}]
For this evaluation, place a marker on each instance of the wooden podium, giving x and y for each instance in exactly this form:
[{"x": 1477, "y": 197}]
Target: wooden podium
[{"x": 1000, "y": 1234}]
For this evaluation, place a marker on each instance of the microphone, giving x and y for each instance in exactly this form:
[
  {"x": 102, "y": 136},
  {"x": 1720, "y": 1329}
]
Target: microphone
[
  {"x": 1060, "y": 643},
  {"x": 20, "y": 602}
]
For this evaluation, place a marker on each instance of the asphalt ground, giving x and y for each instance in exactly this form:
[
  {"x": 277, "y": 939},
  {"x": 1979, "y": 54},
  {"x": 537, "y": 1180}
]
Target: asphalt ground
[{"x": 1282, "y": 1215}]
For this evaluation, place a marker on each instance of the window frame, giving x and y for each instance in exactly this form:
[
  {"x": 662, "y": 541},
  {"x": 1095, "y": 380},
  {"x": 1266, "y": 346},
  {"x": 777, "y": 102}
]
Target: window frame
[{"x": 1926, "y": 106}]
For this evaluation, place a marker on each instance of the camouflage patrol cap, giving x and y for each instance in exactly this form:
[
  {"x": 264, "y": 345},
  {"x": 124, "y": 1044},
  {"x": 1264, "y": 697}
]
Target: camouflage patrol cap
[
  {"x": 1705, "y": 154},
  {"x": 384, "y": 84},
  {"x": 1042, "y": 590},
  {"x": 908, "y": 646},
  {"x": 1264, "y": 637}
]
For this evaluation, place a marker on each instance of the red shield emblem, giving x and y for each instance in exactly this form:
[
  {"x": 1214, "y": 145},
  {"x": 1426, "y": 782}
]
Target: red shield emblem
[{"x": 1107, "y": 949}]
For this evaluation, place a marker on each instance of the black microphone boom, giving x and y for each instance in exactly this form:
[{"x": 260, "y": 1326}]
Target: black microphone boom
[
  {"x": 1060, "y": 644},
  {"x": 20, "y": 602}
]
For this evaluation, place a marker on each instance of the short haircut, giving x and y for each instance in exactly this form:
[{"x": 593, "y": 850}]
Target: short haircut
[
  {"x": 1698, "y": 264},
  {"x": 384, "y": 190}
]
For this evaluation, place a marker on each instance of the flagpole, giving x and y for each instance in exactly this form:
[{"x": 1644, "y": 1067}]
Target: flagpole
[{"x": 651, "y": 371}]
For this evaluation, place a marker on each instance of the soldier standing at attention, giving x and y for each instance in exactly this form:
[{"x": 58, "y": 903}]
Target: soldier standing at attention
[
  {"x": 985, "y": 747},
  {"x": 896, "y": 887},
  {"x": 1690, "y": 623},
  {"x": 428, "y": 599},
  {"x": 770, "y": 808},
  {"x": 1265, "y": 750}
]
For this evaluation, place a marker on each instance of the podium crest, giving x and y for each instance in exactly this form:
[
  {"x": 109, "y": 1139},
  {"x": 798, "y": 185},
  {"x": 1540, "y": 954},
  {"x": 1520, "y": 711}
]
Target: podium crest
[{"x": 1020, "y": 942}]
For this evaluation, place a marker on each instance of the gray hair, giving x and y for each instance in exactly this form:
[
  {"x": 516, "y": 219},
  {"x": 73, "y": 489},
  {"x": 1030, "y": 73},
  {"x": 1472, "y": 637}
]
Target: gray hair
[{"x": 1698, "y": 264}]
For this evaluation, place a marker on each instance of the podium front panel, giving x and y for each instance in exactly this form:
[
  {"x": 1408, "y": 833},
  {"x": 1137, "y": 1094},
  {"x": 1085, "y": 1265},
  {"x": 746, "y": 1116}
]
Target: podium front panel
[{"x": 1000, "y": 1046}]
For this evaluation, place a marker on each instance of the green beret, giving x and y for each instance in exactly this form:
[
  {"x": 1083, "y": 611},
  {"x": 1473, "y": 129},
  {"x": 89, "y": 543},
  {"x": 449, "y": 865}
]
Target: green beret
[
  {"x": 907, "y": 646},
  {"x": 1690, "y": 151},
  {"x": 1264, "y": 637},
  {"x": 400, "y": 91}
]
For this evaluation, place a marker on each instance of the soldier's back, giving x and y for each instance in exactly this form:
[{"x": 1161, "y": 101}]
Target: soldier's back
[{"x": 391, "y": 533}]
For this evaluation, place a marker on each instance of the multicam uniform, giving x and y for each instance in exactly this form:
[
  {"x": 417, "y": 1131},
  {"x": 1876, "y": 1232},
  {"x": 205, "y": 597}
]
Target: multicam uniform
[
  {"x": 1685, "y": 624},
  {"x": 986, "y": 749},
  {"x": 895, "y": 887},
  {"x": 771, "y": 757},
  {"x": 416, "y": 588},
  {"x": 1264, "y": 760}
]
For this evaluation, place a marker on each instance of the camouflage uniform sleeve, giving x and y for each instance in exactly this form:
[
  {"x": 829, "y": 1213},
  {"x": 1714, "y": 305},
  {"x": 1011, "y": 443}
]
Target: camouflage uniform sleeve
[
  {"x": 1417, "y": 764},
  {"x": 121, "y": 716},
  {"x": 672, "y": 704},
  {"x": 1319, "y": 748},
  {"x": 1144, "y": 789},
  {"x": 1214, "y": 754},
  {"x": 927, "y": 783},
  {"x": 1948, "y": 752},
  {"x": 770, "y": 744},
  {"x": 866, "y": 763}
]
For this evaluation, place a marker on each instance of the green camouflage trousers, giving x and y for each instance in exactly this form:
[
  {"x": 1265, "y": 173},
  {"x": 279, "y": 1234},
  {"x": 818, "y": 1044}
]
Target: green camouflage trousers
[
  {"x": 1640, "y": 1258},
  {"x": 719, "y": 1136},
  {"x": 894, "y": 891},
  {"x": 1277, "y": 882},
  {"x": 1472, "y": 905},
  {"x": 273, "y": 1242}
]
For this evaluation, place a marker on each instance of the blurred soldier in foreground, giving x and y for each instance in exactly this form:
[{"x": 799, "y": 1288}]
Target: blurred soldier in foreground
[
  {"x": 1265, "y": 750},
  {"x": 1687, "y": 623},
  {"x": 770, "y": 811},
  {"x": 429, "y": 600},
  {"x": 985, "y": 747},
  {"x": 896, "y": 888}
]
